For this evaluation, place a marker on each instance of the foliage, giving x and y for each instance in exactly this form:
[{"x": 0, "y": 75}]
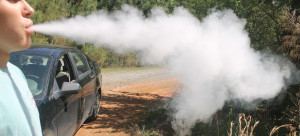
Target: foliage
[
  {"x": 82, "y": 7},
  {"x": 292, "y": 130},
  {"x": 291, "y": 39},
  {"x": 99, "y": 54},
  {"x": 291, "y": 114},
  {"x": 137, "y": 130},
  {"x": 157, "y": 120},
  {"x": 246, "y": 127},
  {"x": 268, "y": 21},
  {"x": 262, "y": 22},
  {"x": 263, "y": 120}
]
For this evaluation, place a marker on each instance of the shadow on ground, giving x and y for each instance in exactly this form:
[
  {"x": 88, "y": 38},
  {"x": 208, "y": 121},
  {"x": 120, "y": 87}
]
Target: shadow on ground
[{"x": 120, "y": 111}]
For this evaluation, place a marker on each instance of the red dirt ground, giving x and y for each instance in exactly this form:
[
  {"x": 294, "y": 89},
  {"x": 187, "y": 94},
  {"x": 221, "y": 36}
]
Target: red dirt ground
[{"x": 122, "y": 107}]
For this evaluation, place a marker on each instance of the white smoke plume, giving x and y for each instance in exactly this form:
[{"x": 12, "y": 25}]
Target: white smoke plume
[{"x": 212, "y": 57}]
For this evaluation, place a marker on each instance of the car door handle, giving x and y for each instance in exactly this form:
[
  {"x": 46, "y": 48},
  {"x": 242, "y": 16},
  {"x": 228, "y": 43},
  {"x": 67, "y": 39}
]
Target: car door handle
[{"x": 92, "y": 75}]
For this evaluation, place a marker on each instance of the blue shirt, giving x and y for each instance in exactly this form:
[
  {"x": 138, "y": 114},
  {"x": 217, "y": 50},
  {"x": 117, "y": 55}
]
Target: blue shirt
[{"x": 18, "y": 112}]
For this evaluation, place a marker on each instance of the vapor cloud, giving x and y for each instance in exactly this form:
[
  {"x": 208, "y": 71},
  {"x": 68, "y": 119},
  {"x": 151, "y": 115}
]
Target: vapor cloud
[{"x": 212, "y": 57}]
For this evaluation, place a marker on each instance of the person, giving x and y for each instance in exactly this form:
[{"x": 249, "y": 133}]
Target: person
[{"x": 18, "y": 112}]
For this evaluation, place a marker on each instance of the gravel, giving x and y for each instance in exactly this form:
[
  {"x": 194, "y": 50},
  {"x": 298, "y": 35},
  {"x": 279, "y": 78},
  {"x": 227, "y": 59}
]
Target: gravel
[{"x": 123, "y": 78}]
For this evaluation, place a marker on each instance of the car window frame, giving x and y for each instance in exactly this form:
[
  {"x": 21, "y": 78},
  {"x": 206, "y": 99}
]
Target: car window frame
[
  {"x": 83, "y": 75},
  {"x": 55, "y": 91}
]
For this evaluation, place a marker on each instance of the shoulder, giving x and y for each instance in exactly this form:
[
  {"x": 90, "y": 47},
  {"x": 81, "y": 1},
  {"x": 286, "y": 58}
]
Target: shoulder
[
  {"x": 11, "y": 66},
  {"x": 14, "y": 69}
]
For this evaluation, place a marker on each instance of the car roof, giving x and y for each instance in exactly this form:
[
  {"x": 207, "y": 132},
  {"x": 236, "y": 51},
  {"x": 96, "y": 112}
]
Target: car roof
[{"x": 49, "y": 49}]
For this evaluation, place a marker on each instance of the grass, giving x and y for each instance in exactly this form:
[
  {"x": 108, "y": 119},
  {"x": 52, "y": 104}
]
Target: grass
[
  {"x": 292, "y": 130},
  {"x": 142, "y": 130},
  {"x": 156, "y": 122},
  {"x": 245, "y": 128}
]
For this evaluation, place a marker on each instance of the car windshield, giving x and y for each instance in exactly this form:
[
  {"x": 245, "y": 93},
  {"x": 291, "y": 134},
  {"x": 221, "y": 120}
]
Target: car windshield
[{"x": 35, "y": 68}]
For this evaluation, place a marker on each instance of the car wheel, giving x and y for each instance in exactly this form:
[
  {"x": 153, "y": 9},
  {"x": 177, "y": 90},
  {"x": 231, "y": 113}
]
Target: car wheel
[{"x": 96, "y": 109}]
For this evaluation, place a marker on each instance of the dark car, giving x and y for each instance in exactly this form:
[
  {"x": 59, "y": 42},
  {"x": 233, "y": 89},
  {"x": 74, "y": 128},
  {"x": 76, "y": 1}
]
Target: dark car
[{"x": 65, "y": 83}]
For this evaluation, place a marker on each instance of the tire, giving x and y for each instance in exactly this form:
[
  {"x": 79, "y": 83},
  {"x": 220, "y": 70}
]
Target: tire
[{"x": 96, "y": 109}]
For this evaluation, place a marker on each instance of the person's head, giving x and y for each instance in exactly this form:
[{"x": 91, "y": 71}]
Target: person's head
[{"x": 14, "y": 25}]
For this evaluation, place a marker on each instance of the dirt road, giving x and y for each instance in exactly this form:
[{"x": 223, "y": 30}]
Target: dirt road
[{"x": 126, "y": 97}]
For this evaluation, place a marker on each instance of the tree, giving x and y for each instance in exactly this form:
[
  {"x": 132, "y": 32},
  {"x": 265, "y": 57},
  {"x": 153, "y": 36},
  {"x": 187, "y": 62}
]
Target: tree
[
  {"x": 82, "y": 7},
  {"x": 291, "y": 39}
]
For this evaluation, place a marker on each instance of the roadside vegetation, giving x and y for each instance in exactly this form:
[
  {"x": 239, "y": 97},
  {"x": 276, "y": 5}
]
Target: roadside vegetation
[
  {"x": 233, "y": 120},
  {"x": 273, "y": 26}
]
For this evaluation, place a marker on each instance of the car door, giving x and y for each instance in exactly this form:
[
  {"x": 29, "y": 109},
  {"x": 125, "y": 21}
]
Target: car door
[
  {"x": 86, "y": 78},
  {"x": 67, "y": 106}
]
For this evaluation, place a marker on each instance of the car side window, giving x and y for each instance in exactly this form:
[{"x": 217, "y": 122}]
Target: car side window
[
  {"x": 64, "y": 71},
  {"x": 80, "y": 62}
]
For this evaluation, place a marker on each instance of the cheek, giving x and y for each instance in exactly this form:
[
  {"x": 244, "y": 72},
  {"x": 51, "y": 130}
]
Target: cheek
[
  {"x": 14, "y": 40},
  {"x": 12, "y": 34}
]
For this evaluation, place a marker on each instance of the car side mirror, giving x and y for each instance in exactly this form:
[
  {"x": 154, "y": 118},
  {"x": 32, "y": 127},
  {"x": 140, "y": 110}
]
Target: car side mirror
[
  {"x": 94, "y": 63},
  {"x": 93, "y": 66},
  {"x": 96, "y": 67},
  {"x": 70, "y": 88}
]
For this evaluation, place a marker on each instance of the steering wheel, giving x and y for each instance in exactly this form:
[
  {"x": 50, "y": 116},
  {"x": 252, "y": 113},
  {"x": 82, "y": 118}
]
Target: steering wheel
[
  {"x": 32, "y": 81},
  {"x": 33, "y": 77}
]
